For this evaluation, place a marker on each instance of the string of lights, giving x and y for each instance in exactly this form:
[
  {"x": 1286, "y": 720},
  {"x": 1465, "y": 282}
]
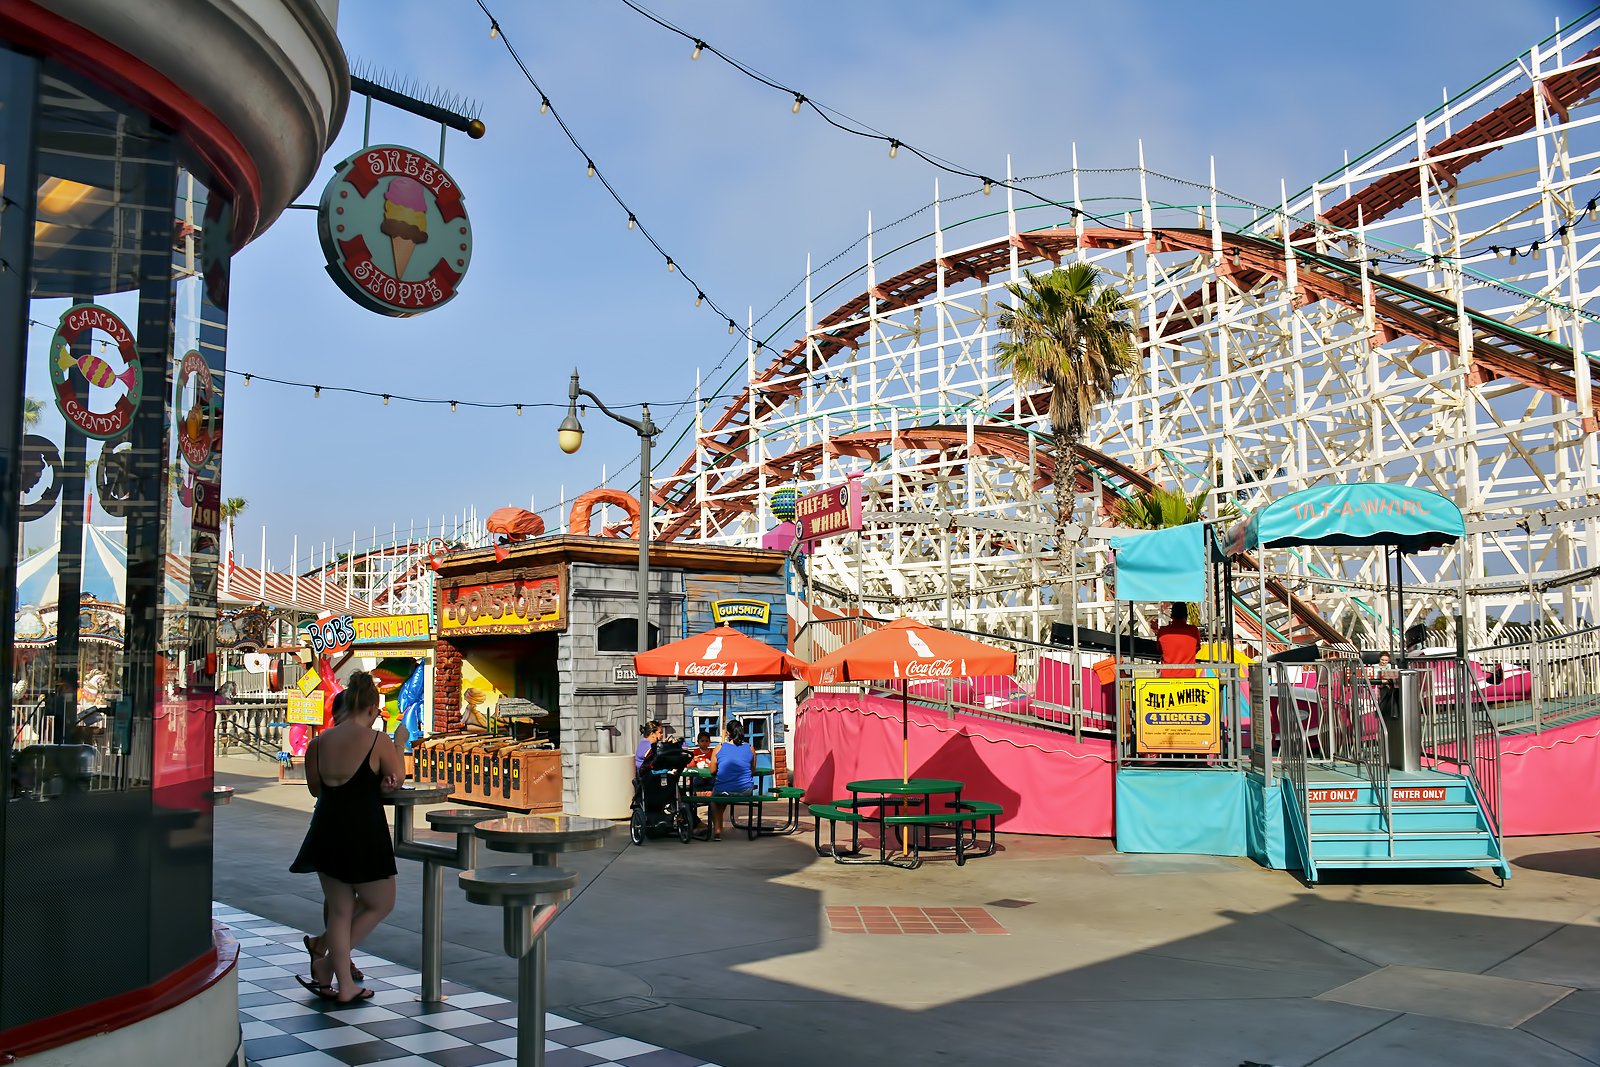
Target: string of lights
[
  {"x": 497, "y": 32},
  {"x": 857, "y": 128}
]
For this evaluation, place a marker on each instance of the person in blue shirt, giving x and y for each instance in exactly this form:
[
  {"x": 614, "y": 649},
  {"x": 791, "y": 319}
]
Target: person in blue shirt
[{"x": 731, "y": 768}]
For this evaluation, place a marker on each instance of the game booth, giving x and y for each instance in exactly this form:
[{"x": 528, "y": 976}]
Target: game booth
[
  {"x": 1318, "y": 757},
  {"x": 534, "y": 659}
]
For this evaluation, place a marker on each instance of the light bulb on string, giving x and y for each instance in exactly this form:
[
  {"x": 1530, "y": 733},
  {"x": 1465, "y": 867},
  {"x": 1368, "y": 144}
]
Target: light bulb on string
[
  {"x": 385, "y": 399},
  {"x": 699, "y": 298},
  {"x": 590, "y": 162},
  {"x": 544, "y": 105},
  {"x": 316, "y": 392},
  {"x": 519, "y": 411},
  {"x": 494, "y": 30},
  {"x": 730, "y": 327},
  {"x": 894, "y": 149},
  {"x": 798, "y": 100},
  {"x": 452, "y": 407},
  {"x": 247, "y": 381},
  {"x": 671, "y": 266},
  {"x": 631, "y": 220},
  {"x": 988, "y": 187},
  {"x": 699, "y": 46}
]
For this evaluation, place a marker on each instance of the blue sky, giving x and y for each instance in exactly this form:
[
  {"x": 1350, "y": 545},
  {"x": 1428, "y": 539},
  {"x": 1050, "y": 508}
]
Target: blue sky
[{"x": 739, "y": 191}]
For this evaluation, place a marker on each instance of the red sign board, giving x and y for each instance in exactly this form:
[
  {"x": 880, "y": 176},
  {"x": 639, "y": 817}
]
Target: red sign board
[
  {"x": 1410, "y": 794},
  {"x": 829, "y": 511},
  {"x": 1414, "y": 794}
]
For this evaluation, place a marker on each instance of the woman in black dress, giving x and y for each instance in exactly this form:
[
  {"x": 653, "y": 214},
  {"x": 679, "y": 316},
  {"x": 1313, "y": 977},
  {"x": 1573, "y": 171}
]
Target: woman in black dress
[{"x": 348, "y": 768}]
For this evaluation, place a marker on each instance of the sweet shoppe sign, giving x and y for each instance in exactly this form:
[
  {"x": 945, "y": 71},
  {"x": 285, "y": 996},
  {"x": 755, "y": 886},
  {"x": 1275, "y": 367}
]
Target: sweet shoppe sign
[{"x": 394, "y": 229}]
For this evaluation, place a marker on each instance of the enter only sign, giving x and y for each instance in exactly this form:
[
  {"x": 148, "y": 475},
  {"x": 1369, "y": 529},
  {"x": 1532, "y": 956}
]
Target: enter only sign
[{"x": 1416, "y": 794}]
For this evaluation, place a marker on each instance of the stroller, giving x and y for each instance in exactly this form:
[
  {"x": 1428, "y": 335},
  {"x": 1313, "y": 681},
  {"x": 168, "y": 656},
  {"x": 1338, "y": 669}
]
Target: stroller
[{"x": 661, "y": 803}]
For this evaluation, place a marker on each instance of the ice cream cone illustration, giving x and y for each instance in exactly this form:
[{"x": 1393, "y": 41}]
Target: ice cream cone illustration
[{"x": 405, "y": 220}]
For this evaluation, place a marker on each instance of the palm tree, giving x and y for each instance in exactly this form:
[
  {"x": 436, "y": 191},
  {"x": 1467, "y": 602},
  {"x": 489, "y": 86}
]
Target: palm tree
[
  {"x": 31, "y": 411},
  {"x": 232, "y": 508},
  {"x": 1072, "y": 336},
  {"x": 1160, "y": 508}
]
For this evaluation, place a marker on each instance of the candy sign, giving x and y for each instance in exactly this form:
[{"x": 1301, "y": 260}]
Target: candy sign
[
  {"x": 394, "y": 230},
  {"x": 73, "y": 376}
]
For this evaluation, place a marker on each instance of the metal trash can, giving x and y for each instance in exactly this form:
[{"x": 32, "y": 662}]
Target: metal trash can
[
  {"x": 605, "y": 784},
  {"x": 1404, "y": 723}
]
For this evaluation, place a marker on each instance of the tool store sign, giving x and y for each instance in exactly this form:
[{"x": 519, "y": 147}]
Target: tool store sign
[
  {"x": 1177, "y": 715},
  {"x": 394, "y": 229},
  {"x": 522, "y": 606}
]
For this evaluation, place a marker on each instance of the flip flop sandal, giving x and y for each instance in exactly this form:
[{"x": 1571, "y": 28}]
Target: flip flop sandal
[
  {"x": 365, "y": 994},
  {"x": 355, "y": 972},
  {"x": 317, "y": 988}
]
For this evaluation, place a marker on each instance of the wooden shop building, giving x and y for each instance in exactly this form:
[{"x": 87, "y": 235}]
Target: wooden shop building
[{"x": 533, "y": 665}]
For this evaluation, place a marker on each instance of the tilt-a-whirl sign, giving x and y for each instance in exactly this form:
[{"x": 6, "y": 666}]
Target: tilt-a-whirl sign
[{"x": 1177, "y": 715}]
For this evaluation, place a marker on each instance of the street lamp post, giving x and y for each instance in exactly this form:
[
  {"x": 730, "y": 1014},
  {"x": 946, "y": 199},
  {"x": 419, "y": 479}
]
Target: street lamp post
[{"x": 570, "y": 438}]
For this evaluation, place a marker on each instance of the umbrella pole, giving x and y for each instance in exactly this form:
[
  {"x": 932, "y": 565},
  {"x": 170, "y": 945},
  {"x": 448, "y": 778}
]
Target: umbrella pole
[
  {"x": 905, "y": 757},
  {"x": 905, "y": 734}
]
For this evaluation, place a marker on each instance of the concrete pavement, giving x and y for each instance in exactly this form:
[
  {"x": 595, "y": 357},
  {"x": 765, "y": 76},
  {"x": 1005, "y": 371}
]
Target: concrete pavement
[{"x": 745, "y": 953}]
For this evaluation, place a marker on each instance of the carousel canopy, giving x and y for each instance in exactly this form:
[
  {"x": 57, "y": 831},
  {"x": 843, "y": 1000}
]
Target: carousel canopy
[
  {"x": 105, "y": 571},
  {"x": 1362, "y": 514}
]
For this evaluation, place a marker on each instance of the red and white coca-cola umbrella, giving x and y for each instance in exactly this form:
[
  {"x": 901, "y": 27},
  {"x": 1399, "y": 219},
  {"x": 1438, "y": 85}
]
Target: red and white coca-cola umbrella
[
  {"x": 908, "y": 650},
  {"x": 721, "y": 655}
]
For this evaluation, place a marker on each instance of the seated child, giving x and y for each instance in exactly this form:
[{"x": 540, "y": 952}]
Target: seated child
[{"x": 700, "y": 755}]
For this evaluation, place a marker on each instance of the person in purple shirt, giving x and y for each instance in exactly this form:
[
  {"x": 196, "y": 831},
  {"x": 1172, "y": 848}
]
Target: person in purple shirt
[
  {"x": 732, "y": 767},
  {"x": 650, "y": 733}
]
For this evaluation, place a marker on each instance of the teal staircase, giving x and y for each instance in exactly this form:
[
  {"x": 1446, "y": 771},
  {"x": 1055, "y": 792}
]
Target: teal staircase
[{"x": 1435, "y": 819}]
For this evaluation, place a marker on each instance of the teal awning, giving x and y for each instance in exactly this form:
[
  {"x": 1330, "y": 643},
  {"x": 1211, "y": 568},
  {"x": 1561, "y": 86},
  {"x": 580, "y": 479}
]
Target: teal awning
[
  {"x": 1362, "y": 514},
  {"x": 1162, "y": 565}
]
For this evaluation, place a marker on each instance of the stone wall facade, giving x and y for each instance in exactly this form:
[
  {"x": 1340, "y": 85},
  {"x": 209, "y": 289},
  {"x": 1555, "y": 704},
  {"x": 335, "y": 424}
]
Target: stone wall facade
[{"x": 591, "y": 694}]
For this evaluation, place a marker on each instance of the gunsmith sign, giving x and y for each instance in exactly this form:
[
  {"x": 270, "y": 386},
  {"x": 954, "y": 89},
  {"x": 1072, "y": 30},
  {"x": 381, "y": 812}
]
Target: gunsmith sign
[{"x": 530, "y": 603}]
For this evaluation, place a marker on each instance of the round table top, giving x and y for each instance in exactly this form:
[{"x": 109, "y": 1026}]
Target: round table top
[
  {"x": 914, "y": 787},
  {"x": 518, "y": 885},
  {"x": 544, "y": 833},
  {"x": 459, "y": 819},
  {"x": 412, "y": 793}
]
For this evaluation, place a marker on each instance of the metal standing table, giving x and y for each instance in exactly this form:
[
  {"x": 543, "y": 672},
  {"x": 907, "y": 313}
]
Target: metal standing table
[
  {"x": 434, "y": 858},
  {"x": 531, "y": 895}
]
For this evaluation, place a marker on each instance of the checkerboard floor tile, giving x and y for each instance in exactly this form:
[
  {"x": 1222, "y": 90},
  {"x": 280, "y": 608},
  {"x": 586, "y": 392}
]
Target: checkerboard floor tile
[
  {"x": 285, "y": 1026},
  {"x": 843, "y": 919}
]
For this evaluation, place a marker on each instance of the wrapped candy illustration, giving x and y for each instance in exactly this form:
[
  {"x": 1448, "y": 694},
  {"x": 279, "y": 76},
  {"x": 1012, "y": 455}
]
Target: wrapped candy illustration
[
  {"x": 405, "y": 220},
  {"x": 96, "y": 370}
]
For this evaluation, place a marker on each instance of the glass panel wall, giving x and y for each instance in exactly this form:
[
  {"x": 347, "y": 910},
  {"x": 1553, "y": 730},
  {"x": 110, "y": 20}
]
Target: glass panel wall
[{"x": 106, "y": 875}]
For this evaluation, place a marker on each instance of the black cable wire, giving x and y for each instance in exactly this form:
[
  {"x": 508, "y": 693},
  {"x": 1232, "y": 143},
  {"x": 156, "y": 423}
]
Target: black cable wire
[
  {"x": 858, "y": 128},
  {"x": 498, "y": 32}
]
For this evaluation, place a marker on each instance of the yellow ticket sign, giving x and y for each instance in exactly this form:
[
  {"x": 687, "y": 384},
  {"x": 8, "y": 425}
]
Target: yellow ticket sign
[
  {"x": 391, "y": 629},
  {"x": 1177, "y": 715},
  {"x": 305, "y": 708},
  {"x": 308, "y": 682}
]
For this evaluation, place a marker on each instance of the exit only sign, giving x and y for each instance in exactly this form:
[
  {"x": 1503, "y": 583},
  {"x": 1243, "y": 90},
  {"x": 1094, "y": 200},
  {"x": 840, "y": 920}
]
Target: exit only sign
[{"x": 1397, "y": 794}]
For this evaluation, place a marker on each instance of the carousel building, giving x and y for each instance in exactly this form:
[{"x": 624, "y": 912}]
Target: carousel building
[{"x": 142, "y": 144}]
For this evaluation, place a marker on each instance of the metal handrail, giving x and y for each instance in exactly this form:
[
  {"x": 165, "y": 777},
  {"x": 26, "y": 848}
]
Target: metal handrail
[
  {"x": 1457, "y": 728},
  {"x": 1352, "y": 728},
  {"x": 1292, "y": 750}
]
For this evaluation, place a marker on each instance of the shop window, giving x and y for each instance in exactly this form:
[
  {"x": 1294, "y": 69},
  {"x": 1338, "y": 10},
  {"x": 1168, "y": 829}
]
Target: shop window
[
  {"x": 758, "y": 731},
  {"x": 622, "y": 635},
  {"x": 710, "y": 724}
]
